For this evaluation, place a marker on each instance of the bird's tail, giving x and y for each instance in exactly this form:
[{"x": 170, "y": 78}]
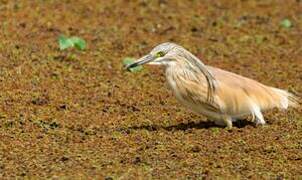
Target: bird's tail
[{"x": 287, "y": 99}]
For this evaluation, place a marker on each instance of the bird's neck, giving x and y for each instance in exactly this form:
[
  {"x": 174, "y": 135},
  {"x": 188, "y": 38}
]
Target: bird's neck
[{"x": 175, "y": 71}]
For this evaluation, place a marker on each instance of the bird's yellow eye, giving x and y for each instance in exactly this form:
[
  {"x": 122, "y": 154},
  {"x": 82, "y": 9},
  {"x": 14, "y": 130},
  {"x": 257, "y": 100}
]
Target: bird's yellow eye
[{"x": 159, "y": 54}]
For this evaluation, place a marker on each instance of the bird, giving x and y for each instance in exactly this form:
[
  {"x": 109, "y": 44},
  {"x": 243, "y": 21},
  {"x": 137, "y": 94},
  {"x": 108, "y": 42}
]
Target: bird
[{"x": 222, "y": 96}]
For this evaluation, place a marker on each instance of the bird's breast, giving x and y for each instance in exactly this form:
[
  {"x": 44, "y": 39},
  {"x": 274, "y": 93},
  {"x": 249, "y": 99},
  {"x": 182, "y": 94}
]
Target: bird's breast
[
  {"x": 174, "y": 88},
  {"x": 192, "y": 97}
]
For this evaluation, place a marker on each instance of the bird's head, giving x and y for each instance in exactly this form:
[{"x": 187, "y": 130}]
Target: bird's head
[
  {"x": 172, "y": 54},
  {"x": 162, "y": 54}
]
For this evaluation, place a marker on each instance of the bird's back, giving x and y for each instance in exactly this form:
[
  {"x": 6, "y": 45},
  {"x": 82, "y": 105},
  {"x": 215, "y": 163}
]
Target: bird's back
[
  {"x": 234, "y": 95},
  {"x": 237, "y": 93}
]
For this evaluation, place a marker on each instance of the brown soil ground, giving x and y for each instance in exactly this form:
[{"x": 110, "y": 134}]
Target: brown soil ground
[{"x": 78, "y": 114}]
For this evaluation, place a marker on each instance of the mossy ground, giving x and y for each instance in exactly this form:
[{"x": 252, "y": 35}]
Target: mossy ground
[{"x": 79, "y": 114}]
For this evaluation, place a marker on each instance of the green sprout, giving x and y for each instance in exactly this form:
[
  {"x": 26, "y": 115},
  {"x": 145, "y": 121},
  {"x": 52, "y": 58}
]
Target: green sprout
[
  {"x": 286, "y": 23},
  {"x": 128, "y": 61},
  {"x": 76, "y": 42}
]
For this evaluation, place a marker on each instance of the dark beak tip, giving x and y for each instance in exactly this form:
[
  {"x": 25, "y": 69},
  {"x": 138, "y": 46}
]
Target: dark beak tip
[
  {"x": 129, "y": 66},
  {"x": 125, "y": 67},
  {"x": 139, "y": 62}
]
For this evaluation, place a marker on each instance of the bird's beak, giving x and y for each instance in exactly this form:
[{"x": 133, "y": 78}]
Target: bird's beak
[{"x": 141, "y": 61}]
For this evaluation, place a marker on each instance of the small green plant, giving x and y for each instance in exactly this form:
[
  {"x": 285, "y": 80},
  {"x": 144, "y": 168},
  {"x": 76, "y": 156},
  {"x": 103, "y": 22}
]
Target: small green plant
[
  {"x": 65, "y": 42},
  {"x": 129, "y": 60},
  {"x": 215, "y": 130},
  {"x": 286, "y": 23}
]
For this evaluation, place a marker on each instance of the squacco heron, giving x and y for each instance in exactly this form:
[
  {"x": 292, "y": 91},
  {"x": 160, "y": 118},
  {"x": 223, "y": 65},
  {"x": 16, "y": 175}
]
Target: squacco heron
[{"x": 221, "y": 96}]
